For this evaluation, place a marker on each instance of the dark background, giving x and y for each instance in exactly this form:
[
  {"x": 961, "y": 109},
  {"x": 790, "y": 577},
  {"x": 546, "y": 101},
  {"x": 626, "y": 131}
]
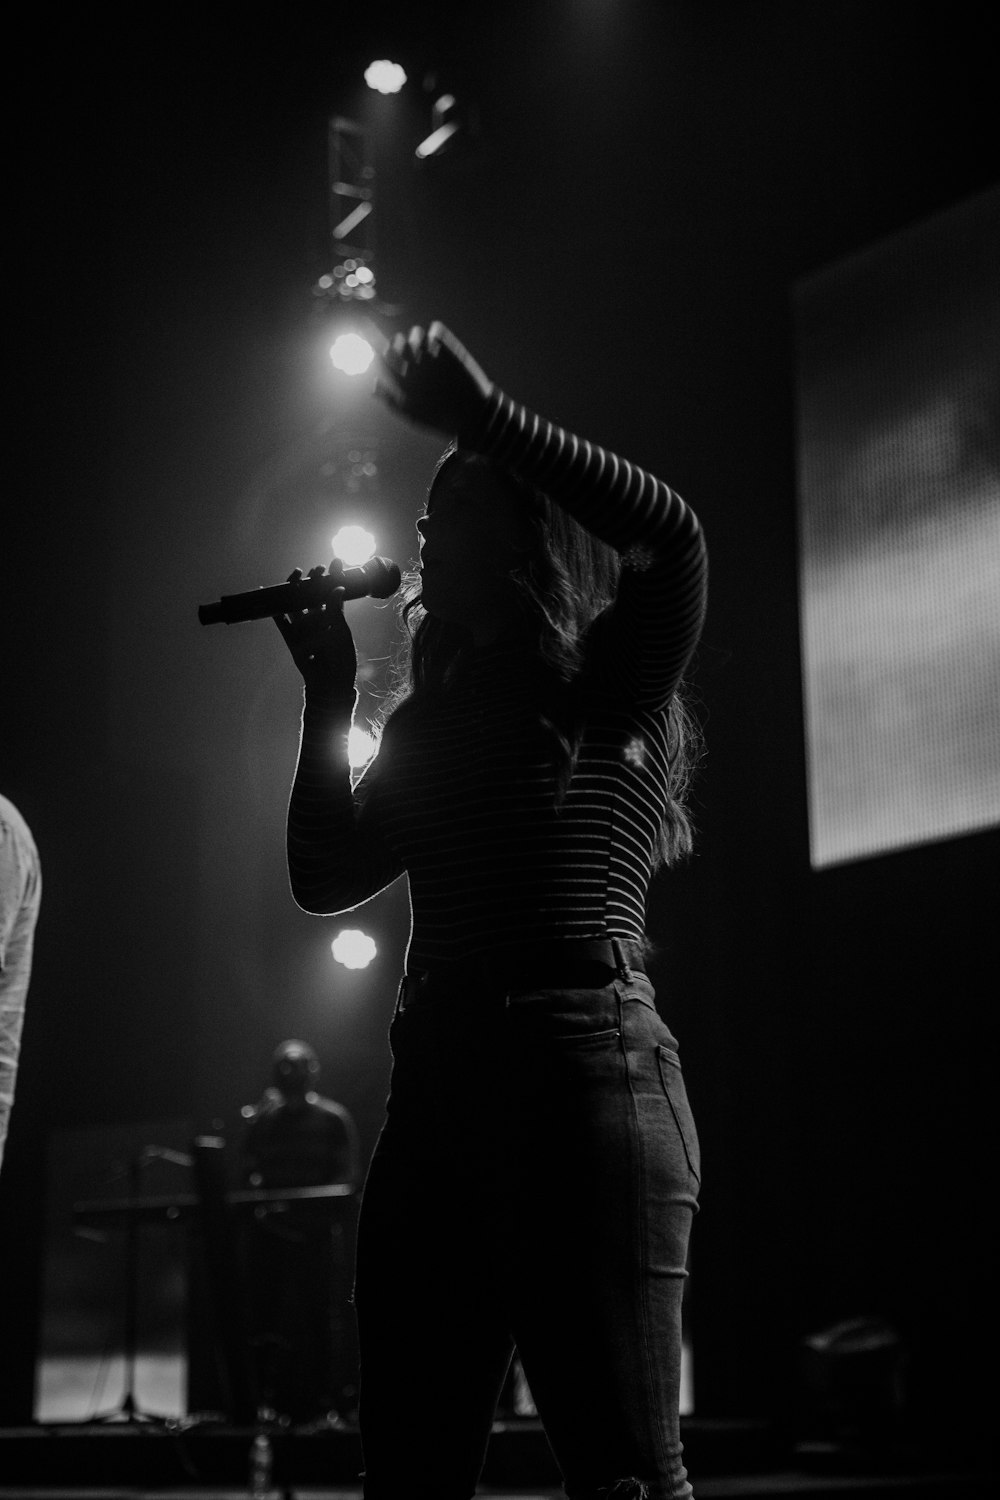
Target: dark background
[{"x": 618, "y": 247}]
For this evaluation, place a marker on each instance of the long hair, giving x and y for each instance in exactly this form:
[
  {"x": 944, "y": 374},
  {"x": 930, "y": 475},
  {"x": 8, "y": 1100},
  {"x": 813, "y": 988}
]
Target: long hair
[{"x": 566, "y": 582}]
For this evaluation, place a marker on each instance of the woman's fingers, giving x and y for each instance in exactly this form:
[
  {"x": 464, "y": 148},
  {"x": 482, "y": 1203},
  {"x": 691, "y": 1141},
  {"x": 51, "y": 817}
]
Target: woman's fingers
[
  {"x": 429, "y": 377},
  {"x": 318, "y": 572},
  {"x": 296, "y": 623}
]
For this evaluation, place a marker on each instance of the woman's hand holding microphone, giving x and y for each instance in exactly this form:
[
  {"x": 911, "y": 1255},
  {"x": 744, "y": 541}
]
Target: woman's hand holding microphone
[{"x": 320, "y": 641}]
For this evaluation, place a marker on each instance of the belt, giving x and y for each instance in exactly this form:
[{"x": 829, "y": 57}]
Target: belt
[{"x": 577, "y": 963}]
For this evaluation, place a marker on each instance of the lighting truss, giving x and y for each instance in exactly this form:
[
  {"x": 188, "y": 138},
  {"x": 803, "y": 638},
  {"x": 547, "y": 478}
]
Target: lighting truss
[{"x": 352, "y": 214}]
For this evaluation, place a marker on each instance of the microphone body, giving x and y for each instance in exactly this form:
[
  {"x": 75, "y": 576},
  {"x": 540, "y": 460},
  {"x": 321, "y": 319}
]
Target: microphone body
[{"x": 377, "y": 579}]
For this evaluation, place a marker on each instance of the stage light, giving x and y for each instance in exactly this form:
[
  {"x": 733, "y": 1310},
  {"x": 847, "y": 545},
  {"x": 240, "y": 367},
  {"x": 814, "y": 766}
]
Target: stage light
[
  {"x": 385, "y": 77},
  {"x": 361, "y": 747},
  {"x": 353, "y": 545},
  {"x": 351, "y": 353},
  {"x": 353, "y": 949},
  {"x": 352, "y": 280}
]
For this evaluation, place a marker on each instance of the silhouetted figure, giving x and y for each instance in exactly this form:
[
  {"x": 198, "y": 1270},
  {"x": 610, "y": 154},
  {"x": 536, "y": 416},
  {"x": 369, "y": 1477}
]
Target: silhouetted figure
[
  {"x": 20, "y": 898},
  {"x": 537, "y": 1174},
  {"x": 299, "y": 1254}
]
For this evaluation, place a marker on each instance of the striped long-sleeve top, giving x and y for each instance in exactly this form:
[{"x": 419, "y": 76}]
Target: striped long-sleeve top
[{"x": 464, "y": 794}]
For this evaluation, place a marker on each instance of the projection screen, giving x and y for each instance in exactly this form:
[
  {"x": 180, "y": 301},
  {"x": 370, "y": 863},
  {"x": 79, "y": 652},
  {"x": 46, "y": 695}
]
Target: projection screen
[{"x": 898, "y": 409}]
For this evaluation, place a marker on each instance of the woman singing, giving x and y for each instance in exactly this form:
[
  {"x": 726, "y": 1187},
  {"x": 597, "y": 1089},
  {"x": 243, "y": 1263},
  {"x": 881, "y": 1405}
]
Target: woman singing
[{"x": 536, "y": 1176}]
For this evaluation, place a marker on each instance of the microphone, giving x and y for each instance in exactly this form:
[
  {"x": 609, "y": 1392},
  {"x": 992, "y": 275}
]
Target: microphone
[{"x": 378, "y": 579}]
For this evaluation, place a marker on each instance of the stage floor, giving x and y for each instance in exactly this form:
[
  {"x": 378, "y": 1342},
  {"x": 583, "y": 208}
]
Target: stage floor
[
  {"x": 210, "y": 1461},
  {"x": 790, "y": 1486}
]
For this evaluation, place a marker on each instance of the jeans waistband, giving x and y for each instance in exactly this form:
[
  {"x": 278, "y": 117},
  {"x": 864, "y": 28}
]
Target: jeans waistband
[{"x": 578, "y": 963}]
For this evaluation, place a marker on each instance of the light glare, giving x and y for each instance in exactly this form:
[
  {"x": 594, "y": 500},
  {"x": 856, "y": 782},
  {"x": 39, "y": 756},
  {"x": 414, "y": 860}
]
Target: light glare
[
  {"x": 353, "y": 949},
  {"x": 361, "y": 747},
  {"x": 351, "y": 353},
  {"x": 353, "y": 545},
  {"x": 385, "y": 77}
]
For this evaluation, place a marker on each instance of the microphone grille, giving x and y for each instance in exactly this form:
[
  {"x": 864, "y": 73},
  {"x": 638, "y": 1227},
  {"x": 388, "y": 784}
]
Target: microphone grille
[{"x": 384, "y": 577}]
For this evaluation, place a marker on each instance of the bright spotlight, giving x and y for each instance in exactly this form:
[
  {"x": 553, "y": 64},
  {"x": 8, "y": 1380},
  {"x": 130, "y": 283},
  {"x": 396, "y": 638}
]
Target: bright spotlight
[
  {"x": 353, "y": 545},
  {"x": 385, "y": 77},
  {"x": 361, "y": 747},
  {"x": 351, "y": 353},
  {"x": 353, "y": 949}
]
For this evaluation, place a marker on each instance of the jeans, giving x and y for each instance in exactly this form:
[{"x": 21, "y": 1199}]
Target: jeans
[{"x": 533, "y": 1185}]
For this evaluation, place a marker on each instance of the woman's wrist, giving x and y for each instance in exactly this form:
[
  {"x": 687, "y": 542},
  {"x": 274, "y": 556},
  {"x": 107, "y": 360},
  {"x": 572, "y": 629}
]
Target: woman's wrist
[{"x": 475, "y": 431}]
